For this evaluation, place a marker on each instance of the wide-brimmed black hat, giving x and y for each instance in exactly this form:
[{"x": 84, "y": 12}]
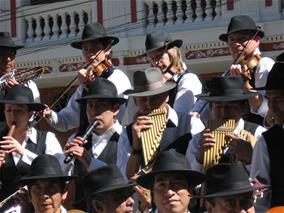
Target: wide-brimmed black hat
[
  {"x": 95, "y": 32},
  {"x": 228, "y": 88},
  {"x": 6, "y": 41},
  {"x": 226, "y": 179},
  {"x": 275, "y": 78},
  {"x": 105, "y": 179},
  {"x": 160, "y": 40},
  {"x": 44, "y": 167},
  {"x": 170, "y": 162},
  {"x": 149, "y": 82},
  {"x": 241, "y": 23},
  {"x": 19, "y": 94},
  {"x": 102, "y": 88}
]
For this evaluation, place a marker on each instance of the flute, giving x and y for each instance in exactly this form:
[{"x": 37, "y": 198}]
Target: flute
[
  {"x": 88, "y": 131},
  {"x": 12, "y": 129}
]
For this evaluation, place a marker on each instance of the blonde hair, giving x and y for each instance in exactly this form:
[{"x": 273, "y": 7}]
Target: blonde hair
[{"x": 176, "y": 58}]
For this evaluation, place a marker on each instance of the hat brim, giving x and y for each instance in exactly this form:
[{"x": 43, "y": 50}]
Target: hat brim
[
  {"x": 194, "y": 177},
  {"x": 32, "y": 106},
  {"x": 232, "y": 192},
  {"x": 239, "y": 97},
  {"x": 78, "y": 44},
  {"x": 167, "y": 86},
  {"x": 112, "y": 188},
  {"x": 175, "y": 43},
  {"x": 29, "y": 180},
  {"x": 224, "y": 37},
  {"x": 119, "y": 100}
]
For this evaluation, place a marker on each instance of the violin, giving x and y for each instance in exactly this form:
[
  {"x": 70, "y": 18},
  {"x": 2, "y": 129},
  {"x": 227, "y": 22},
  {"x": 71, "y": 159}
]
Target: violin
[
  {"x": 94, "y": 71},
  {"x": 249, "y": 64}
]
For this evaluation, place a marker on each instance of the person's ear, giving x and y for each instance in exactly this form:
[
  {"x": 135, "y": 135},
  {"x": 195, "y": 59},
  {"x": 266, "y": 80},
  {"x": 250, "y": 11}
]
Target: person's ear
[
  {"x": 208, "y": 206},
  {"x": 98, "y": 206}
]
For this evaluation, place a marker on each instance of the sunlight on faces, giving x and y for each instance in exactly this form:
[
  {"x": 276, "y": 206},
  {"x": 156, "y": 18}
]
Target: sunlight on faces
[
  {"x": 171, "y": 193},
  {"x": 18, "y": 114},
  {"x": 159, "y": 59},
  {"x": 276, "y": 104},
  {"x": 102, "y": 110},
  {"x": 238, "y": 40},
  {"x": 117, "y": 201},
  {"x": 227, "y": 110},
  {"x": 91, "y": 48},
  {"x": 147, "y": 104},
  {"x": 47, "y": 195}
]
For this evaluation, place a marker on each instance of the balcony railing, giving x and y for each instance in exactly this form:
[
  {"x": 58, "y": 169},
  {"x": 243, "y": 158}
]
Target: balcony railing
[{"x": 55, "y": 21}]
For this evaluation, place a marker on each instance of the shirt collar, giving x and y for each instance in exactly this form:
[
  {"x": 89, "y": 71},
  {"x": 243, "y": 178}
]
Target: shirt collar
[
  {"x": 109, "y": 132},
  {"x": 32, "y": 135},
  {"x": 172, "y": 117}
]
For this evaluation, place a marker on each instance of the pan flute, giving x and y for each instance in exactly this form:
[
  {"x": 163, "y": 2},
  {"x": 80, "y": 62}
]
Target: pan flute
[
  {"x": 151, "y": 137},
  {"x": 219, "y": 129}
]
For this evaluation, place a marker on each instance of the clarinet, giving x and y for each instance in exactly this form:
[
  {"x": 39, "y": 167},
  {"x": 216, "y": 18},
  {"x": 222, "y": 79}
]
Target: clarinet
[{"x": 89, "y": 130}]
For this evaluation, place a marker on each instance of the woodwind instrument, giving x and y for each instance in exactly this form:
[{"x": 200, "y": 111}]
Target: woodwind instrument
[
  {"x": 219, "y": 129},
  {"x": 12, "y": 129},
  {"x": 151, "y": 137}
]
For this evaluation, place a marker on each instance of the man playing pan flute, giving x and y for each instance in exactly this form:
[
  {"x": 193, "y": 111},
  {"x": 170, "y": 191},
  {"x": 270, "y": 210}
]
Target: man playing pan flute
[
  {"x": 227, "y": 100},
  {"x": 152, "y": 92}
]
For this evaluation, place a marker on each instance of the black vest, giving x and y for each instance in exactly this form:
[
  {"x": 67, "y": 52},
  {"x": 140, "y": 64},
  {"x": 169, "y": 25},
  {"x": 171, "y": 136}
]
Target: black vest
[
  {"x": 11, "y": 173},
  {"x": 274, "y": 138},
  {"x": 108, "y": 155}
]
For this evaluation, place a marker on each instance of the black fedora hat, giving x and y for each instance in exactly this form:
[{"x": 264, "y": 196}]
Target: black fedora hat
[
  {"x": 94, "y": 32},
  {"x": 226, "y": 179},
  {"x": 101, "y": 88},
  {"x": 6, "y": 41},
  {"x": 19, "y": 94},
  {"x": 149, "y": 82},
  {"x": 275, "y": 77},
  {"x": 241, "y": 23},
  {"x": 160, "y": 40},
  {"x": 105, "y": 179},
  {"x": 44, "y": 167},
  {"x": 170, "y": 162},
  {"x": 227, "y": 88}
]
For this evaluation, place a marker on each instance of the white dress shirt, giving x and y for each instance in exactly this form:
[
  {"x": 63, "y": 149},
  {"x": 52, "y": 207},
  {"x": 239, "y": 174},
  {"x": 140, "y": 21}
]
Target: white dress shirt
[
  {"x": 52, "y": 147},
  {"x": 188, "y": 86},
  {"x": 69, "y": 117},
  {"x": 193, "y": 148},
  {"x": 99, "y": 142}
]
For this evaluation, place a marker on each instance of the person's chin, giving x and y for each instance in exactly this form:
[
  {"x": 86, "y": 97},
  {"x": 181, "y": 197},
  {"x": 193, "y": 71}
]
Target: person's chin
[{"x": 46, "y": 208}]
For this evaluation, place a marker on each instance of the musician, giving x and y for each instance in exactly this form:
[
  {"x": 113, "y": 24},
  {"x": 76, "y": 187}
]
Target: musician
[
  {"x": 24, "y": 143},
  {"x": 170, "y": 182},
  {"x": 267, "y": 155},
  {"x": 152, "y": 92},
  {"x": 227, "y": 100},
  {"x": 47, "y": 184},
  {"x": 164, "y": 53},
  {"x": 102, "y": 105},
  {"x": 106, "y": 191},
  {"x": 8, "y": 51},
  {"x": 96, "y": 46},
  {"x": 228, "y": 189},
  {"x": 243, "y": 35}
]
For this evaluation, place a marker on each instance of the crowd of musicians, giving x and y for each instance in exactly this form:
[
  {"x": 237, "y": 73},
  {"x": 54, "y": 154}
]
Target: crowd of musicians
[{"x": 163, "y": 143}]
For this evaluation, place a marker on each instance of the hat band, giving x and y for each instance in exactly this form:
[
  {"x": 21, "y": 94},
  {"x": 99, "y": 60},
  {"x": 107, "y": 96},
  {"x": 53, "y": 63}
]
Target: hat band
[
  {"x": 228, "y": 186},
  {"x": 152, "y": 86}
]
